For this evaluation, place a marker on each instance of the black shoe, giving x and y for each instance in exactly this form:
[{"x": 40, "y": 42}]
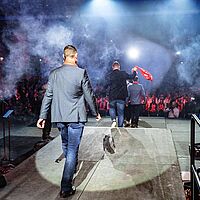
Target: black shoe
[
  {"x": 47, "y": 138},
  {"x": 127, "y": 125},
  {"x": 133, "y": 126},
  {"x": 64, "y": 194},
  {"x": 50, "y": 138}
]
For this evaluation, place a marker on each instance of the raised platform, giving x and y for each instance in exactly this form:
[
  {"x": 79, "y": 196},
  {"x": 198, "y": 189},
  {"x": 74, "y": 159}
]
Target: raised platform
[{"x": 144, "y": 166}]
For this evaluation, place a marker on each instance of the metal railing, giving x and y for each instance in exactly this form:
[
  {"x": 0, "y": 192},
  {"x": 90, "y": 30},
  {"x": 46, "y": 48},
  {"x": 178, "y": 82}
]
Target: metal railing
[
  {"x": 195, "y": 180},
  {"x": 6, "y": 128}
]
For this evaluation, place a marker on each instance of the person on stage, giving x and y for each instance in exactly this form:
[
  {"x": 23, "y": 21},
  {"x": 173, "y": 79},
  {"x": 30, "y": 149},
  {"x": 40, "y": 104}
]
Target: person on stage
[
  {"x": 136, "y": 95},
  {"x": 3, "y": 182},
  {"x": 127, "y": 113},
  {"x": 118, "y": 93},
  {"x": 68, "y": 88}
]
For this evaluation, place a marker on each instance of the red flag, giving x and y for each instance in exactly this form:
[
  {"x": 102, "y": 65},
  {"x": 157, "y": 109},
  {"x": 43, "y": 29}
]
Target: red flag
[{"x": 145, "y": 73}]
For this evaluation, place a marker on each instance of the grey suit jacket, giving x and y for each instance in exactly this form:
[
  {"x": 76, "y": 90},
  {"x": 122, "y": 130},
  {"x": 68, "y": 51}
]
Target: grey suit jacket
[
  {"x": 68, "y": 88},
  {"x": 135, "y": 94}
]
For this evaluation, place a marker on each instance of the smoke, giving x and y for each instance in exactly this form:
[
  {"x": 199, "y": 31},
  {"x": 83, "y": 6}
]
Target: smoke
[
  {"x": 33, "y": 38},
  {"x": 102, "y": 39},
  {"x": 189, "y": 67},
  {"x": 182, "y": 20},
  {"x": 96, "y": 49}
]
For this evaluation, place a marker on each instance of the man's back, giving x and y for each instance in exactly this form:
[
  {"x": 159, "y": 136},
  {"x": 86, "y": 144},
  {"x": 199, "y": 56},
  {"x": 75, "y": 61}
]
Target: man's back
[
  {"x": 69, "y": 86},
  {"x": 118, "y": 88},
  {"x": 135, "y": 93}
]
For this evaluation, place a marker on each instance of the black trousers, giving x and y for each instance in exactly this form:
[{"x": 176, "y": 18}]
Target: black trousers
[
  {"x": 135, "y": 113},
  {"x": 127, "y": 114},
  {"x": 3, "y": 182}
]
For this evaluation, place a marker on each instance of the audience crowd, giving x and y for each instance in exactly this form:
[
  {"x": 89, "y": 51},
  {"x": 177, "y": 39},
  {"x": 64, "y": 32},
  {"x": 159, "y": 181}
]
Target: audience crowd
[
  {"x": 159, "y": 105},
  {"x": 27, "y": 99},
  {"x": 29, "y": 93}
]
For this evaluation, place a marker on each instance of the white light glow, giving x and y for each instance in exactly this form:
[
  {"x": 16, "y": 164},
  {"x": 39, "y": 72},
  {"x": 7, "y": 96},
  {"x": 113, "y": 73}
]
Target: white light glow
[
  {"x": 103, "y": 8},
  {"x": 101, "y": 3},
  {"x": 133, "y": 53},
  {"x": 178, "y": 53}
]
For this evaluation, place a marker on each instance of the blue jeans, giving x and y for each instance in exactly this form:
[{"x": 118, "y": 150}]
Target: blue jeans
[
  {"x": 71, "y": 134},
  {"x": 117, "y": 108}
]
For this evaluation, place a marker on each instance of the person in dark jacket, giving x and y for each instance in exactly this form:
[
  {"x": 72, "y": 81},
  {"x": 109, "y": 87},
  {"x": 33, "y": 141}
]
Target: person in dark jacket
[
  {"x": 136, "y": 95},
  {"x": 3, "y": 182},
  {"x": 118, "y": 93},
  {"x": 67, "y": 90}
]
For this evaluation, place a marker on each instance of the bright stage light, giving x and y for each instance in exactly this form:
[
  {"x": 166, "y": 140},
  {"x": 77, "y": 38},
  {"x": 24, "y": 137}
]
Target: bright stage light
[
  {"x": 101, "y": 2},
  {"x": 103, "y": 8},
  {"x": 133, "y": 53},
  {"x": 102, "y": 5},
  {"x": 178, "y": 53}
]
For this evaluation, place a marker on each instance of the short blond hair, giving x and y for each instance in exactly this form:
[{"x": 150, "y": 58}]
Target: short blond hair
[{"x": 70, "y": 51}]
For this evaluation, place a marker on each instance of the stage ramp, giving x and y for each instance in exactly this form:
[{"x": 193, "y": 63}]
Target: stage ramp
[{"x": 143, "y": 166}]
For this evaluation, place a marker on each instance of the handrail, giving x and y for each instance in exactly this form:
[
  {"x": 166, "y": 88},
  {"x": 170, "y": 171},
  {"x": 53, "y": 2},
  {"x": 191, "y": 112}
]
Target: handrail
[
  {"x": 6, "y": 117},
  {"x": 195, "y": 180},
  {"x": 196, "y": 119},
  {"x": 196, "y": 176}
]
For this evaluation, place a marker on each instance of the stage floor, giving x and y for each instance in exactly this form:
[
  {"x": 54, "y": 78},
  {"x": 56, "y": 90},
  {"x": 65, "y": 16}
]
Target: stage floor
[
  {"x": 144, "y": 166},
  {"x": 28, "y": 135},
  {"x": 180, "y": 130}
]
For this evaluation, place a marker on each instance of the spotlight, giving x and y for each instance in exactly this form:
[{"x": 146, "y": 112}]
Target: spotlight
[
  {"x": 98, "y": 1},
  {"x": 40, "y": 59},
  {"x": 103, "y": 8},
  {"x": 1, "y": 58},
  {"x": 178, "y": 53},
  {"x": 101, "y": 4},
  {"x": 133, "y": 53}
]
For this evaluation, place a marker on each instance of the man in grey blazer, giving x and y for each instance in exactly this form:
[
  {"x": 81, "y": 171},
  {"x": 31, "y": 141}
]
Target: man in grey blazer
[
  {"x": 136, "y": 95},
  {"x": 68, "y": 89}
]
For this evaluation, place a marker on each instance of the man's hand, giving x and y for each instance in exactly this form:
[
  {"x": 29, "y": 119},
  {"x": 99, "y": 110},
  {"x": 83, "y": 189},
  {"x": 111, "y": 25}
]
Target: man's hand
[
  {"x": 41, "y": 123},
  {"x": 98, "y": 117},
  {"x": 134, "y": 68}
]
